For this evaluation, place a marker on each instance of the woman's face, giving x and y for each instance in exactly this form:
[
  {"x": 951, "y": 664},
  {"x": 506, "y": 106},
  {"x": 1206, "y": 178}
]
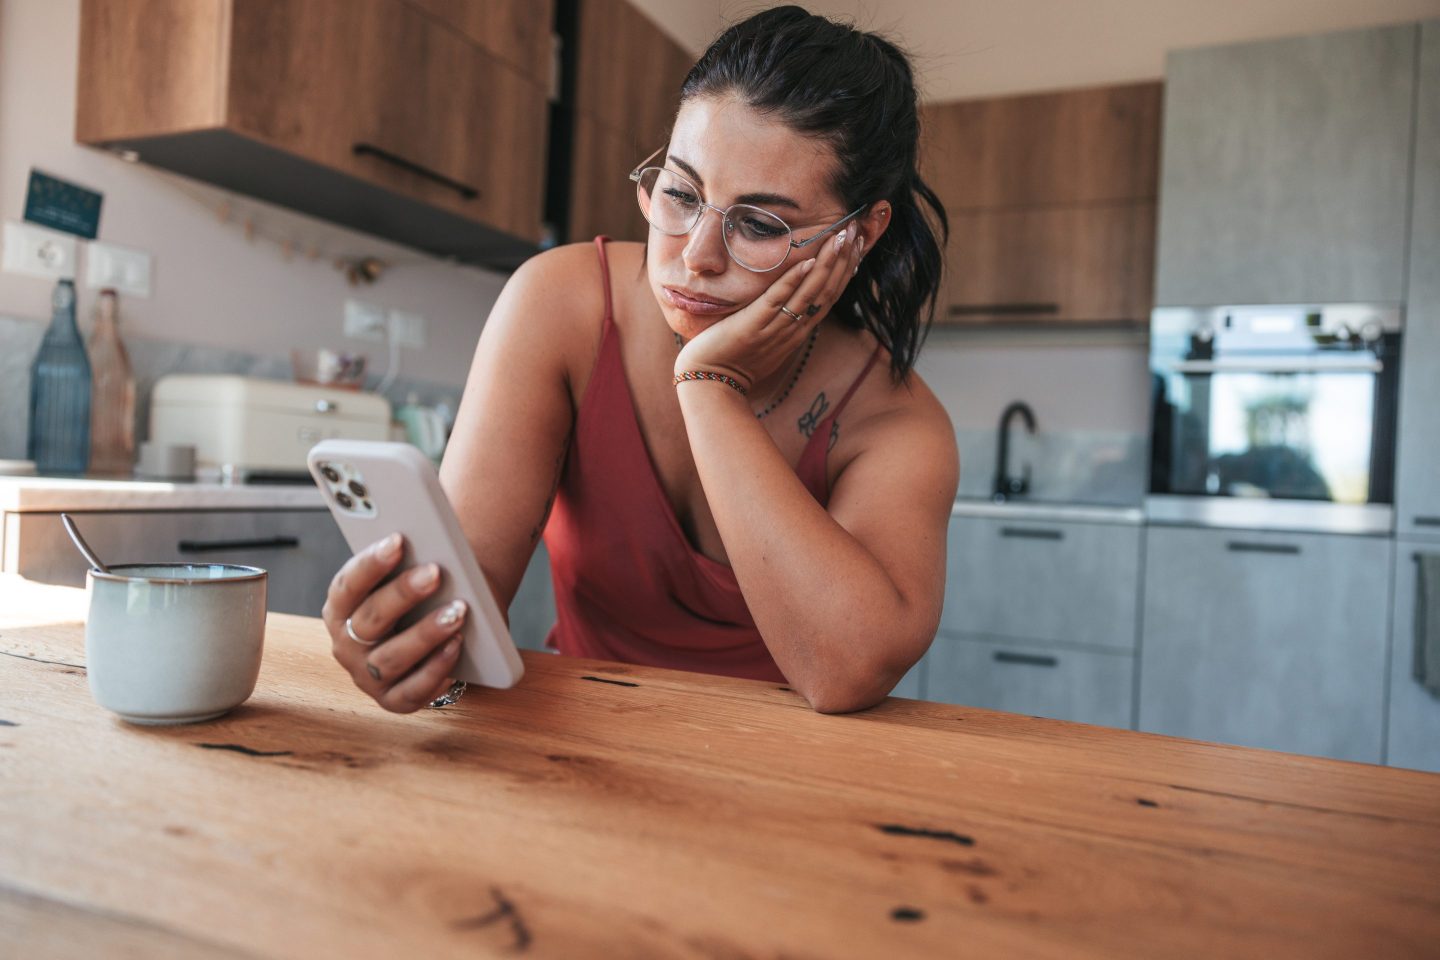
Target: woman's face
[{"x": 733, "y": 154}]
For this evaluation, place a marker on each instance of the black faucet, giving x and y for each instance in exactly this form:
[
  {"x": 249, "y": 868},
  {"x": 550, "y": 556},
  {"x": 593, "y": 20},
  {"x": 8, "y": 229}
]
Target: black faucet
[{"x": 1007, "y": 486}]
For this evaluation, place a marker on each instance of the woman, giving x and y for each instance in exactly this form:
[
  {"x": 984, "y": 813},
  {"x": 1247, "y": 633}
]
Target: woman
[{"x": 718, "y": 432}]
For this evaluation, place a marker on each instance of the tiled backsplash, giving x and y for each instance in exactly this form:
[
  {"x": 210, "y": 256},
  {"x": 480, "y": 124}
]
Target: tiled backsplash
[
  {"x": 1078, "y": 466},
  {"x": 150, "y": 360}
]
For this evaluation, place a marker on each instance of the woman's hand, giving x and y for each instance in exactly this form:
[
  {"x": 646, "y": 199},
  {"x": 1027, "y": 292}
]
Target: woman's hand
[
  {"x": 405, "y": 671},
  {"x": 753, "y": 343}
]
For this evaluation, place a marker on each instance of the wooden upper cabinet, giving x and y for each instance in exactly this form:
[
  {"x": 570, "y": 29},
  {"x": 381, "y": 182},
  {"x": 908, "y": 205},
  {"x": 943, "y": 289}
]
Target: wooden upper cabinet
[
  {"x": 1052, "y": 200},
  {"x": 1081, "y": 146},
  {"x": 628, "y": 75},
  {"x": 517, "y": 32},
  {"x": 370, "y": 113}
]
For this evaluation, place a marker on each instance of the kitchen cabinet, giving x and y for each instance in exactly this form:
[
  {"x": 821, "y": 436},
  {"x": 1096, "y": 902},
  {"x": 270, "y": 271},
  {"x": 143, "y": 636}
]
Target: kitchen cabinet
[
  {"x": 516, "y": 32},
  {"x": 1413, "y": 727},
  {"x": 1417, "y": 480},
  {"x": 628, "y": 74},
  {"x": 375, "y": 114},
  {"x": 1042, "y": 680},
  {"x": 1039, "y": 618},
  {"x": 532, "y": 611},
  {"x": 1266, "y": 639},
  {"x": 1051, "y": 199},
  {"x": 1286, "y": 170},
  {"x": 301, "y": 549},
  {"x": 1027, "y": 580}
]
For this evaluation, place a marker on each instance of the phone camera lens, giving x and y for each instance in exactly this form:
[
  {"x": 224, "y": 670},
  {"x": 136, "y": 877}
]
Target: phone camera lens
[
  {"x": 329, "y": 473},
  {"x": 358, "y": 488},
  {"x": 344, "y": 499}
]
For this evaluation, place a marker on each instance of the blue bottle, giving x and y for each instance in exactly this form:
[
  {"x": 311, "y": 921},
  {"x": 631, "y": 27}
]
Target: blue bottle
[{"x": 60, "y": 392}]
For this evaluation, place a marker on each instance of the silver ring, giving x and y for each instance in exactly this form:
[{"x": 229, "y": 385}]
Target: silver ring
[
  {"x": 350, "y": 632},
  {"x": 456, "y": 691},
  {"x": 791, "y": 314}
]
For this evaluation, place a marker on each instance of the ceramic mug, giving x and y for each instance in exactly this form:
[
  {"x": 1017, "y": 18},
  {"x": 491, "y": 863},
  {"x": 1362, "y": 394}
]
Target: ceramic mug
[{"x": 174, "y": 642}]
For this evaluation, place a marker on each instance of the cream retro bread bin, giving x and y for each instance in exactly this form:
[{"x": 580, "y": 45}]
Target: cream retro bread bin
[{"x": 253, "y": 429}]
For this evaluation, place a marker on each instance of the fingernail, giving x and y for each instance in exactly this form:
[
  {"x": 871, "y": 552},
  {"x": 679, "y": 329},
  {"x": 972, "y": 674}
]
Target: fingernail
[
  {"x": 424, "y": 576},
  {"x": 452, "y": 613},
  {"x": 807, "y": 266},
  {"x": 859, "y": 246},
  {"x": 390, "y": 548},
  {"x": 840, "y": 240}
]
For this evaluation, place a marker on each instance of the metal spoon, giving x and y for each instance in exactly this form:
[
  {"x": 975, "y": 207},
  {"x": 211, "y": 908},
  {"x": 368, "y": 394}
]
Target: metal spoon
[{"x": 81, "y": 545}]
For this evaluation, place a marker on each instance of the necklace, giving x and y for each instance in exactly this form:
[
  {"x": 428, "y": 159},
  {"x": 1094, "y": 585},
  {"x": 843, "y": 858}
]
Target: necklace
[{"x": 809, "y": 345}]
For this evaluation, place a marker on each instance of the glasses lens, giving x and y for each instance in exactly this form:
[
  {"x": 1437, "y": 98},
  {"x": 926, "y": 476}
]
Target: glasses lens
[
  {"x": 756, "y": 239},
  {"x": 669, "y": 201}
]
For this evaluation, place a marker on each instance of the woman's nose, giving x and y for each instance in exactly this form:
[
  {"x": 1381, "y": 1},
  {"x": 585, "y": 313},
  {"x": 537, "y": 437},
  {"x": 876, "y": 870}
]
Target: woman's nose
[{"x": 705, "y": 246}]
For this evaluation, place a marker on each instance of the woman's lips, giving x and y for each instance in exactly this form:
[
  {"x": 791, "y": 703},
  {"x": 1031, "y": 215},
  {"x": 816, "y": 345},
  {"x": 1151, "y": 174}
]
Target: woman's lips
[{"x": 702, "y": 308}]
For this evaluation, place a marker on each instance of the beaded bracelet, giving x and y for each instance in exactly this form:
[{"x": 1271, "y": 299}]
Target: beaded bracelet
[{"x": 730, "y": 382}]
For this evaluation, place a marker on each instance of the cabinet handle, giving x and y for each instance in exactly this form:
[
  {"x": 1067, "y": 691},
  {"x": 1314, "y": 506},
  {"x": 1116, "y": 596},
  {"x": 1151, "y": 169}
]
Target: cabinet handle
[
  {"x": 1241, "y": 546},
  {"x": 370, "y": 150},
  {"x": 1029, "y": 659},
  {"x": 1427, "y": 521},
  {"x": 262, "y": 543},
  {"x": 975, "y": 309},
  {"x": 1030, "y": 533}
]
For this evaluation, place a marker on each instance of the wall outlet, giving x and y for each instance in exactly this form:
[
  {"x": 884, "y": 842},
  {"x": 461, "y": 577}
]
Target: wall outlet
[
  {"x": 125, "y": 269},
  {"x": 38, "y": 251},
  {"x": 364, "y": 321},
  {"x": 407, "y": 329}
]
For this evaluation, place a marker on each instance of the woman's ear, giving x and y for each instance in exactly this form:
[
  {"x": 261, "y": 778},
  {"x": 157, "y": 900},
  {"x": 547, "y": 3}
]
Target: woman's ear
[{"x": 873, "y": 224}]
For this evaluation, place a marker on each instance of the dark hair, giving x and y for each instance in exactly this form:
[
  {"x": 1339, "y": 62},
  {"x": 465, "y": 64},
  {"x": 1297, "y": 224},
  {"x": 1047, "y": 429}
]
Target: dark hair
[{"x": 854, "y": 90}]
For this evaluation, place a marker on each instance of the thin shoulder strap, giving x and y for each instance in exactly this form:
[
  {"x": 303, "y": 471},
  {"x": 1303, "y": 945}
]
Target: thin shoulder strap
[
  {"x": 600, "y": 242},
  {"x": 858, "y": 380}
]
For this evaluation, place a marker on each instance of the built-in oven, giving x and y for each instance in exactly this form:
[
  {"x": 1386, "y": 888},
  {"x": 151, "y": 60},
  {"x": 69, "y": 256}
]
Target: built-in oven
[{"x": 1275, "y": 416}]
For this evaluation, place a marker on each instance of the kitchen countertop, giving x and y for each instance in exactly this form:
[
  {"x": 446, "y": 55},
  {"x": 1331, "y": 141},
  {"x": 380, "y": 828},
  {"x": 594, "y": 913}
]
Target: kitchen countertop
[
  {"x": 615, "y": 810},
  {"x": 1056, "y": 512},
  {"x": 79, "y": 494}
]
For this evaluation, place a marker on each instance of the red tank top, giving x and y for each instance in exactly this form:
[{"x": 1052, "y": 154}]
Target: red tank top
[{"x": 629, "y": 586}]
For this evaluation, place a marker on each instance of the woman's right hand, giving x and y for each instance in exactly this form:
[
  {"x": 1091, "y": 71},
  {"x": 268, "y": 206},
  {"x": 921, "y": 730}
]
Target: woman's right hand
[{"x": 405, "y": 671}]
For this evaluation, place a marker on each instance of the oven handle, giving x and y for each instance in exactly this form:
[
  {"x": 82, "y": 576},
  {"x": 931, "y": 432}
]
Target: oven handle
[{"x": 1278, "y": 365}]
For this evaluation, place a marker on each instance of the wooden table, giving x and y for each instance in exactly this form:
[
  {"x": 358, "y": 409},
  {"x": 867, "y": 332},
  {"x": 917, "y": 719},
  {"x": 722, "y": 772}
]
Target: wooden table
[{"x": 607, "y": 810}]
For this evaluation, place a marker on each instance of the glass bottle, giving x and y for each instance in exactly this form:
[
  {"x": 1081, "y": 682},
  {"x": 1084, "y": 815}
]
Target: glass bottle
[
  {"x": 112, "y": 393},
  {"x": 60, "y": 392}
]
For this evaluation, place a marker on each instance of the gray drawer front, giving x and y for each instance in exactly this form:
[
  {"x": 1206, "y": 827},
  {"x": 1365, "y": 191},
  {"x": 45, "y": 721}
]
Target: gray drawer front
[
  {"x": 1043, "y": 681},
  {"x": 1044, "y": 581},
  {"x": 301, "y": 549}
]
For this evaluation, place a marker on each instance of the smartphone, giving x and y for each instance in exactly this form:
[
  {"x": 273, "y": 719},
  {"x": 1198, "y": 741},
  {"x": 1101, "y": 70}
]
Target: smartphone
[{"x": 374, "y": 489}]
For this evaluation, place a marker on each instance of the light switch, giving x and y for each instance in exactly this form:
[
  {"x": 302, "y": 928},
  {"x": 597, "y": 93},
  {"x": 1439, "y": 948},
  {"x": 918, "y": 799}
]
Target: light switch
[
  {"x": 407, "y": 329},
  {"x": 124, "y": 268},
  {"x": 38, "y": 251},
  {"x": 364, "y": 321}
]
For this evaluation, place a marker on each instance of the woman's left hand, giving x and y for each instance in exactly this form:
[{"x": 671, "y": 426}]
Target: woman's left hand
[{"x": 753, "y": 343}]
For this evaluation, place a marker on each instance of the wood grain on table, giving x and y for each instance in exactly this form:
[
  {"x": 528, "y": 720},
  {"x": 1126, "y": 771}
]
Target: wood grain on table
[{"x": 610, "y": 810}]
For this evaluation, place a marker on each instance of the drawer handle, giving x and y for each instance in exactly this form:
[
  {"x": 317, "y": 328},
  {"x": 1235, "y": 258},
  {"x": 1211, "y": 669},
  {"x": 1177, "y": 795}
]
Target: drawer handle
[
  {"x": 1028, "y": 659},
  {"x": 1427, "y": 521},
  {"x": 262, "y": 543},
  {"x": 1031, "y": 533},
  {"x": 1242, "y": 546},
  {"x": 394, "y": 159},
  {"x": 977, "y": 309}
]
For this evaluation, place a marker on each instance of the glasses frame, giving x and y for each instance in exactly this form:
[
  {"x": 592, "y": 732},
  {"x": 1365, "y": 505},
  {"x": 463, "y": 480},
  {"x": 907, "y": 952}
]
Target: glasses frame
[{"x": 646, "y": 164}]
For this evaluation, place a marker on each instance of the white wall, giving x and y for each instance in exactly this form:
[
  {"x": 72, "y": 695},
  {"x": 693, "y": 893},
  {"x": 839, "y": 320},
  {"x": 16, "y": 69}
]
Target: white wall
[{"x": 210, "y": 286}]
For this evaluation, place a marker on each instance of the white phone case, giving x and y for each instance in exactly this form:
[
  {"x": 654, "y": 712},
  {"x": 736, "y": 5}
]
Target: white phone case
[{"x": 402, "y": 494}]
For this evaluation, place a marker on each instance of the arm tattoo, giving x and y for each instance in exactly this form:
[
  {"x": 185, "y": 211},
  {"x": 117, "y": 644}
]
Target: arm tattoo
[
  {"x": 680, "y": 341},
  {"x": 539, "y": 528},
  {"x": 810, "y": 419}
]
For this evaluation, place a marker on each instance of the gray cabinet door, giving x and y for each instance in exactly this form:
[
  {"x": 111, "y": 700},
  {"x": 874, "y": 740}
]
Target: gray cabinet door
[
  {"x": 1414, "y": 724},
  {"x": 1061, "y": 683},
  {"x": 1056, "y": 582},
  {"x": 1417, "y": 482},
  {"x": 532, "y": 611},
  {"x": 301, "y": 549},
  {"x": 1285, "y": 170},
  {"x": 1266, "y": 639}
]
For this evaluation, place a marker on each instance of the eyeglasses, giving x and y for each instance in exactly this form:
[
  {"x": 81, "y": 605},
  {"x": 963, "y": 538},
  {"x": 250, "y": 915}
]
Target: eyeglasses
[{"x": 756, "y": 239}]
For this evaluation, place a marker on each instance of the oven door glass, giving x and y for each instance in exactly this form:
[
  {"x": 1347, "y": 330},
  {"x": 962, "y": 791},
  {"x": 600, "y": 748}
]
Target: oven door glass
[{"x": 1292, "y": 435}]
